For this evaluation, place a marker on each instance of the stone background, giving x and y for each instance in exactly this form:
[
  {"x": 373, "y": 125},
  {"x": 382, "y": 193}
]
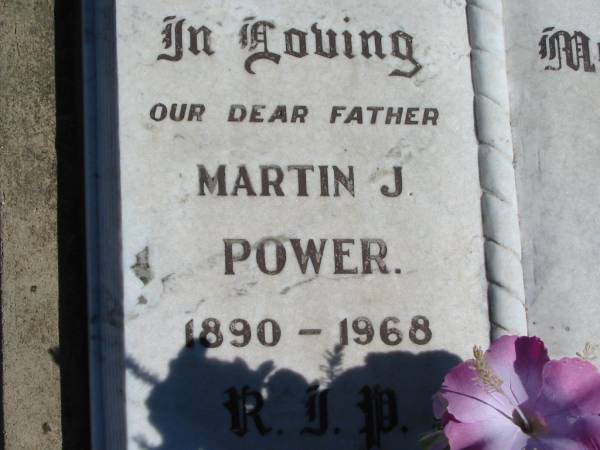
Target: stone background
[
  {"x": 44, "y": 391},
  {"x": 42, "y": 272}
]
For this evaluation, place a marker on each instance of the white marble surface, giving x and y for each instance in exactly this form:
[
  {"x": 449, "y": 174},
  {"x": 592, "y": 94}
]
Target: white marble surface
[
  {"x": 433, "y": 230},
  {"x": 556, "y": 131}
]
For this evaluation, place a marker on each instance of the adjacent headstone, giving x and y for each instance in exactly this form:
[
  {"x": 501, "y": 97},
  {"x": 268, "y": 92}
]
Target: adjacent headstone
[
  {"x": 554, "y": 82},
  {"x": 302, "y": 249}
]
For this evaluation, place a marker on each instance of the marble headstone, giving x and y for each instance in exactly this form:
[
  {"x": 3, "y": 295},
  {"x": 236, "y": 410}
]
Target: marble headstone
[
  {"x": 554, "y": 77},
  {"x": 302, "y": 245}
]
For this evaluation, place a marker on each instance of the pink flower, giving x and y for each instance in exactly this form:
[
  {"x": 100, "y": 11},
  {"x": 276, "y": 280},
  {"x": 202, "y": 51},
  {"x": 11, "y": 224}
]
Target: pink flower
[{"x": 513, "y": 398}]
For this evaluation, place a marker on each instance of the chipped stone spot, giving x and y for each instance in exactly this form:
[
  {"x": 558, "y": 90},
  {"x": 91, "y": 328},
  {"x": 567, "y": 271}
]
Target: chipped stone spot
[
  {"x": 142, "y": 300},
  {"x": 240, "y": 292},
  {"x": 141, "y": 268},
  {"x": 378, "y": 174},
  {"x": 287, "y": 289},
  {"x": 452, "y": 4},
  {"x": 197, "y": 307},
  {"x": 165, "y": 280},
  {"x": 54, "y": 353}
]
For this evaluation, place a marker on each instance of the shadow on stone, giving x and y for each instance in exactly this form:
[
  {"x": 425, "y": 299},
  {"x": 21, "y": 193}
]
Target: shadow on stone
[
  {"x": 72, "y": 354},
  {"x": 208, "y": 404}
]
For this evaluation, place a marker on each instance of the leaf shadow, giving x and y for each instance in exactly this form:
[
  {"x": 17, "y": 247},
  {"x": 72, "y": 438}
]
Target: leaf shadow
[{"x": 384, "y": 403}]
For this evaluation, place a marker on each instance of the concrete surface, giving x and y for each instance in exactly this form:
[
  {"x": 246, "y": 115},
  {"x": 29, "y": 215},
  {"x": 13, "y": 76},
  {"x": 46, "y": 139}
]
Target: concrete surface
[{"x": 28, "y": 226}]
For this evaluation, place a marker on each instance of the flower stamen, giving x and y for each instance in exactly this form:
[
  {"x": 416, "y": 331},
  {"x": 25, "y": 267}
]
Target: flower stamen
[
  {"x": 491, "y": 381},
  {"x": 589, "y": 352}
]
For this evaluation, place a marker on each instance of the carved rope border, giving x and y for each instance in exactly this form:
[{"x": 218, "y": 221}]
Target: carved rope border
[{"x": 502, "y": 237}]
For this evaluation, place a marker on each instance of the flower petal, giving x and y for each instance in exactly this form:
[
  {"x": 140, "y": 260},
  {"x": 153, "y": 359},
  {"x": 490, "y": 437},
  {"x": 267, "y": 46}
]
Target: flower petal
[
  {"x": 491, "y": 434},
  {"x": 519, "y": 362},
  {"x": 440, "y": 405},
  {"x": 571, "y": 386},
  {"x": 467, "y": 399},
  {"x": 588, "y": 429},
  {"x": 555, "y": 443},
  {"x": 569, "y": 434}
]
